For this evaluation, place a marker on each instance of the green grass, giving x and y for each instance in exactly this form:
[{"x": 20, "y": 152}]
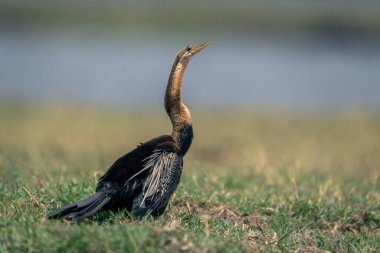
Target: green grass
[{"x": 266, "y": 182}]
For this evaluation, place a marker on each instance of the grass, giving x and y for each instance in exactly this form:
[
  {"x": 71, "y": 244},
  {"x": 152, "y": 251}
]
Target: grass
[{"x": 266, "y": 182}]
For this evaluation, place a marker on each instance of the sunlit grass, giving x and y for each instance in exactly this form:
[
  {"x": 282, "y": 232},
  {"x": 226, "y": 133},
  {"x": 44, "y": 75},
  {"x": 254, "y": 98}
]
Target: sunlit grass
[{"x": 252, "y": 181}]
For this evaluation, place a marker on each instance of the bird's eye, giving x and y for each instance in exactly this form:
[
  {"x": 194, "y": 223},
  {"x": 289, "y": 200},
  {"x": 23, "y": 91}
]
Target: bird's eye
[{"x": 188, "y": 48}]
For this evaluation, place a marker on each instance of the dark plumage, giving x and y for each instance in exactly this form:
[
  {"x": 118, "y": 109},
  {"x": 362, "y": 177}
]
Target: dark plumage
[{"x": 143, "y": 180}]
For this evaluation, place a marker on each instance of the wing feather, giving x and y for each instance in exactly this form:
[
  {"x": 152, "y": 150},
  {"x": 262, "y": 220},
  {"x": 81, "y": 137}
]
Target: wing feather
[{"x": 165, "y": 170}]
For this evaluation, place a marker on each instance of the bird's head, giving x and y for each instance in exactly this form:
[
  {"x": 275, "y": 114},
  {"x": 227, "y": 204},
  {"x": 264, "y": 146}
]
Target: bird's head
[{"x": 184, "y": 55}]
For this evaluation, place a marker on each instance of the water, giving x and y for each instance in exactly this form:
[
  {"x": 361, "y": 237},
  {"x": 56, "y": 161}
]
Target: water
[{"x": 260, "y": 70}]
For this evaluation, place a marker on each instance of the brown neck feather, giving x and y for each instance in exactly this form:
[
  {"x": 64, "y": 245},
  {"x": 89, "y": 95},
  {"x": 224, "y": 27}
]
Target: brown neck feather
[{"x": 177, "y": 111}]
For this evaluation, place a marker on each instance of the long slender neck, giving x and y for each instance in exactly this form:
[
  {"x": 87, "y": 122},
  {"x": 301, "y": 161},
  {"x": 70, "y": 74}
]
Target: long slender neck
[{"x": 177, "y": 111}]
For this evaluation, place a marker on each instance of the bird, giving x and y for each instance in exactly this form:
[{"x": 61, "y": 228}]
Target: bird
[{"x": 144, "y": 180}]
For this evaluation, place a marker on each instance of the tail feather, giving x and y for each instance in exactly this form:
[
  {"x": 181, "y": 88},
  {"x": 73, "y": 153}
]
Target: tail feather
[
  {"x": 92, "y": 209},
  {"x": 83, "y": 208},
  {"x": 80, "y": 203}
]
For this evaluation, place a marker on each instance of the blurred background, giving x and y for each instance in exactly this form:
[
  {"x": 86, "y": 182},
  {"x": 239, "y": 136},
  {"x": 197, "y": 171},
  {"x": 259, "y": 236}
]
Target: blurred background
[
  {"x": 294, "y": 55},
  {"x": 287, "y": 86}
]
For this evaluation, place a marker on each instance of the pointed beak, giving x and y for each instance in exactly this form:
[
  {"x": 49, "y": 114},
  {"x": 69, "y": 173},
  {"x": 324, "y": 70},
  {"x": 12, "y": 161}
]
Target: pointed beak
[{"x": 199, "y": 48}]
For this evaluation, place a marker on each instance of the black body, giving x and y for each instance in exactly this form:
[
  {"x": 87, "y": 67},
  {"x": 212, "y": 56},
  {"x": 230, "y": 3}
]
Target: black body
[{"x": 126, "y": 183}]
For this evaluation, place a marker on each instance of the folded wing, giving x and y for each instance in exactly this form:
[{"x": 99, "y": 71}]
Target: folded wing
[{"x": 164, "y": 171}]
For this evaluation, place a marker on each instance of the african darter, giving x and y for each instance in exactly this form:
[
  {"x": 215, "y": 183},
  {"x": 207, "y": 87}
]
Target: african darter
[{"x": 144, "y": 180}]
